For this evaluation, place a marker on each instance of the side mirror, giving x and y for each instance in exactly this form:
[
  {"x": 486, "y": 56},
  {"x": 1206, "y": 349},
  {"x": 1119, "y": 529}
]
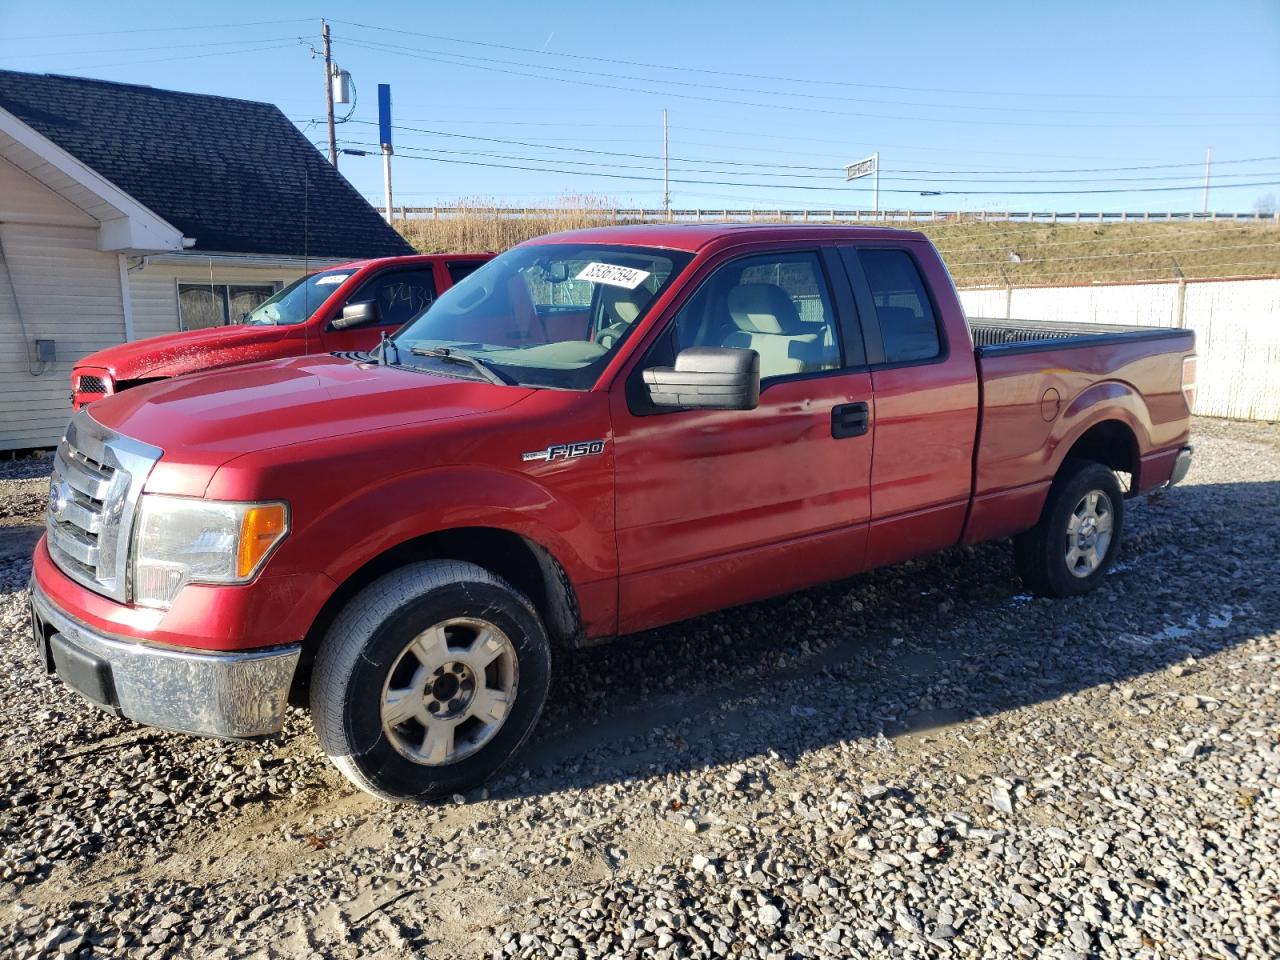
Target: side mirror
[
  {"x": 357, "y": 315},
  {"x": 707, "y": 378}
]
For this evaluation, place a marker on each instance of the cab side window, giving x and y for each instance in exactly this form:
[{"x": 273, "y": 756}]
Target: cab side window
[
  {"x": 400, "y": 294},
  {"x": 907, "y": 324},
  {"x": 461, "y": 269},
  {"x": 778, "y": 305}
]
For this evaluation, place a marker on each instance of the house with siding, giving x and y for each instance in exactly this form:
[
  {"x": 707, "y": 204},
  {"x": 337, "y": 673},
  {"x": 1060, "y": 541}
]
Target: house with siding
[{"x": 128, "y": 211}]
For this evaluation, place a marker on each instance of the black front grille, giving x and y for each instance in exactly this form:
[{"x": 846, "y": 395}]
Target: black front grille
[{"x": 92, "y": 385}]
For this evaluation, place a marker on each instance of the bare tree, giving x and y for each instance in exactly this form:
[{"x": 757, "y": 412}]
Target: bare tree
[{"x": 1265, "y": 205}]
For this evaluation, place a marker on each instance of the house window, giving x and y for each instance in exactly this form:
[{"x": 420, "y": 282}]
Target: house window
[{"x": 203, "y": 305}]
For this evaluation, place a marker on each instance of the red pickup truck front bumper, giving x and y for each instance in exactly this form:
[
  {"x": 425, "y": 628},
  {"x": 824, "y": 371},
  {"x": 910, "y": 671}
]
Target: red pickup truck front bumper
[{"x": 238, "y": 694}]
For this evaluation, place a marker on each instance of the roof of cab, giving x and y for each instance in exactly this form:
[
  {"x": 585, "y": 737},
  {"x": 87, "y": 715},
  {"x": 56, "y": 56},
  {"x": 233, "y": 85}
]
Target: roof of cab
[
  {"x": 410, "y": 259},
  {"x": 692, "y": 237}
]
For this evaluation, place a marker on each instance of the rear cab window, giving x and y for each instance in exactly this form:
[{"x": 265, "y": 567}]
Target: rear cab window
[
  {"x": 908, "y": 325},
  {"x": 460, "y": 270}
]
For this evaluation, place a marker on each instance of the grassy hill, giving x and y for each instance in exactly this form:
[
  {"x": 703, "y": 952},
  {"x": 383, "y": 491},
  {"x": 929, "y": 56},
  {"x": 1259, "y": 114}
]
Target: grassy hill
[{"x": 978, "y": 253}]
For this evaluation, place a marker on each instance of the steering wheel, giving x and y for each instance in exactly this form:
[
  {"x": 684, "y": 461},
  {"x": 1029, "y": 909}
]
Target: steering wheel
[{"x": 608, "y": 336}]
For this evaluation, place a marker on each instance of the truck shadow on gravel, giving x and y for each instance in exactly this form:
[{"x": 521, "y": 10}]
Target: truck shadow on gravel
[{"x": 902, "y": 650}]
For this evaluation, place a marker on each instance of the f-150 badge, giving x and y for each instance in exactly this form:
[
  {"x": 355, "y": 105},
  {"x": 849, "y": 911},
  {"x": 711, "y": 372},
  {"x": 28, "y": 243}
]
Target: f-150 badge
[{"x": 566, "y": 451}]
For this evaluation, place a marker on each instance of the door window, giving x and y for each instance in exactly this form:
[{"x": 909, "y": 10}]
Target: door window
[
  {"x": 778, "y": 305},
  {"x": 401, "y": 295},
  {"x": 907, "y": 324}
]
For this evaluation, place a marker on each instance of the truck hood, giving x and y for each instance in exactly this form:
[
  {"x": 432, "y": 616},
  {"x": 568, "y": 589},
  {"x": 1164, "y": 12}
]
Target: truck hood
[
  {"x": 203, "y": 420},
  {"x": 172, "y": 354}
]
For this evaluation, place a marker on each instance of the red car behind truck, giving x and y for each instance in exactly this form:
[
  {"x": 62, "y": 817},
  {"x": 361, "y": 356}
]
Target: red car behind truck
[
  {"x": 348, "y": 307},
  {"x": 596, "y": 433}
]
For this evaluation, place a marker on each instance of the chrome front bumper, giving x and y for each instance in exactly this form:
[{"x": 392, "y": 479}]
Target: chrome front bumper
[
  {"x": 1181, "y": 464},
  {"x": 189, "y": 691}
]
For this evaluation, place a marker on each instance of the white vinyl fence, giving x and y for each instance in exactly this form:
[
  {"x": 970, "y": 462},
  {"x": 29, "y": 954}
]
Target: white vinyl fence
[{"x": 1237, "y": 325}]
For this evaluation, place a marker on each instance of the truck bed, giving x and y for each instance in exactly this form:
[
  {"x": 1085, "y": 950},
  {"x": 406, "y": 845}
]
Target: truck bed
[
  {"x": 1038, "y": 384},
  {"x": 993, "y": 336}
]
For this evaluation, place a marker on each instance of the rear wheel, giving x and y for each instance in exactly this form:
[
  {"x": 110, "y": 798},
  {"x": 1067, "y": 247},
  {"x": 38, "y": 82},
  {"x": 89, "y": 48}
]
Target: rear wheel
[
  {"x": 429, "y": 680},
  {"x": 1078, "y": 537}
]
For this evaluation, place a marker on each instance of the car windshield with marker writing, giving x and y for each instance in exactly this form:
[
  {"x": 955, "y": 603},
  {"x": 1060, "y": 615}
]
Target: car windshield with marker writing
[
  {"x": 546, "y": 315},
  {"x": 296, "y": 302}
]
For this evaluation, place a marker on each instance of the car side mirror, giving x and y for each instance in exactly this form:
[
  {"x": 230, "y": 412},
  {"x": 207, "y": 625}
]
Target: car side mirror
[
  {"x": 357, "y": 315},
  {"x": 707, "y": 378}
]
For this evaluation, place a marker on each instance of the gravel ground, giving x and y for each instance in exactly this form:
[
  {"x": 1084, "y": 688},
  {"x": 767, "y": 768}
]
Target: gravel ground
[{"x": 923, "y": 761}]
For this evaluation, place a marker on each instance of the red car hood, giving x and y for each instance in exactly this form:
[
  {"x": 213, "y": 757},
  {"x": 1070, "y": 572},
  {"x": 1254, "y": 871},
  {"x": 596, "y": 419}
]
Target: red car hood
[
  {"x": 203, "y": 420},
  {"x": 172, "y": 354}
]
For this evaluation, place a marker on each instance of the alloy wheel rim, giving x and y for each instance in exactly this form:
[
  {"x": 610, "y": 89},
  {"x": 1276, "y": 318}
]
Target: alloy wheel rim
[
  {"x": 1089, "y": 530},
  {"x": 449, "y": 691}
]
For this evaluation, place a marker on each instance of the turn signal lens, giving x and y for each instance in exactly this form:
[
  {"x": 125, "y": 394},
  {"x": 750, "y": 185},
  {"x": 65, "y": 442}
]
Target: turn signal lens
[
  {"x": 183, "y": 540},
  {"x": 260, "y": 530},
  {"x": 1189, "y": 381}
]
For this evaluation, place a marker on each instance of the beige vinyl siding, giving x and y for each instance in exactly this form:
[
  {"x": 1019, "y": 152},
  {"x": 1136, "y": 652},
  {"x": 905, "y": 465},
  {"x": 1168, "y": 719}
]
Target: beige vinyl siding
[
  {"x": 154, "y": 288},
  {"x": 69, "y": 292},
  {"x": 24, "y": 199}
]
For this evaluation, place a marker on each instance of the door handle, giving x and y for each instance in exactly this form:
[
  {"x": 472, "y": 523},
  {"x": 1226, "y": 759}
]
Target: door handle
[{"x": 850, "y": 420}]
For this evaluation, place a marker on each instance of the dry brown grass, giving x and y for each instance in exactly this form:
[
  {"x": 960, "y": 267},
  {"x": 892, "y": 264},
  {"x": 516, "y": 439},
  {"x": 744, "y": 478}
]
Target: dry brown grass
[
  {"x": 484, "y": 225},
  {"x": 977, "y": 252}
]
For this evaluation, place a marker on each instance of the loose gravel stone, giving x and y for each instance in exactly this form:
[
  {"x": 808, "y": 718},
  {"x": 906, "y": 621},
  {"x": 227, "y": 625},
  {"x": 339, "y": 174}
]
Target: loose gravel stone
[{"x": 924, "y": 761}]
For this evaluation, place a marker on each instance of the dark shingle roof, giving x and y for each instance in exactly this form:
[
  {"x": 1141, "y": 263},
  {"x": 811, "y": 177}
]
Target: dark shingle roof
[{"x": 230, "y": 173}]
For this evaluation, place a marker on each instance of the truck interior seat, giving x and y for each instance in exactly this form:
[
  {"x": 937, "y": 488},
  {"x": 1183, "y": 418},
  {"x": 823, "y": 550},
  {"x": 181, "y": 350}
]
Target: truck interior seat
[
  {"x": 768, "y": 322},
  {"x": 621, "y": 305}
]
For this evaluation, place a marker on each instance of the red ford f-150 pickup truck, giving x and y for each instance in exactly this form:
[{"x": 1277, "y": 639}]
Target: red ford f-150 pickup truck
[
  {"x": 348, "y": 307},
  {"x": 595, "y": 433}
]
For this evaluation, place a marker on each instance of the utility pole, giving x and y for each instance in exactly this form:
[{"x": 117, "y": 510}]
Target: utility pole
[
  {"x": 328, "y": 93},
  {"x": 666, "y": 183},
  {"x": 1208, "y": 160}
]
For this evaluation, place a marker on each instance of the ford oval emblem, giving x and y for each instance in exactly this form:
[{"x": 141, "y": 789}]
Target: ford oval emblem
[{"x": 59, "y": 494}]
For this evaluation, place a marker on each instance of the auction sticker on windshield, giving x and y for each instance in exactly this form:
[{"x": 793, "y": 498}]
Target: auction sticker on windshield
[
  {"x": 336, "y": 278},
  {"x": 613, "y": 275}
]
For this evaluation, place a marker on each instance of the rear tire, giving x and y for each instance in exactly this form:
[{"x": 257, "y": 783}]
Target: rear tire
[
  {"x": 429, "y": 680},
  {"x": 1078, "y": 537}
]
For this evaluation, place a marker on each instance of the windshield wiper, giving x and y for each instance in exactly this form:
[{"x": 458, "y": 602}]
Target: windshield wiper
[
  {"x": 457, "y": 356},
  {"x": 382, "y": 352}
]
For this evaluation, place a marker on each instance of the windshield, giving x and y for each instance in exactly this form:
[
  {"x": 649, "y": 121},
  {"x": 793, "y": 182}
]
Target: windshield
[
  {"x": 548, "y": 315},
  {"x": 296, "y": 302}
]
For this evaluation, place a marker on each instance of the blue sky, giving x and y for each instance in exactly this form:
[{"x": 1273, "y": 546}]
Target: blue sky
[{"x": 996, "y": 106}]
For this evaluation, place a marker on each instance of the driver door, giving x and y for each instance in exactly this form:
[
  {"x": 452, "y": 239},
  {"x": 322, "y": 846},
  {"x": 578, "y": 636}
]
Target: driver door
[
  {"x": 720, "y": 507},
  {"x": 400, "y": 296}
]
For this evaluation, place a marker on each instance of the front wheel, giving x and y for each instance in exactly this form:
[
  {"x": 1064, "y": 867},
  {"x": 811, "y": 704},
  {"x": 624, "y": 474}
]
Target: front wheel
[
  {"x": 1078, "y": 537},
  {"x": 429, "y": 680}
]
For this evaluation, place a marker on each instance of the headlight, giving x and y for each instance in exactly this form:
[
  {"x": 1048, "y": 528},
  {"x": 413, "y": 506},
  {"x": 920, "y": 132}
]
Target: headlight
[{"x": 183, "y": 540}]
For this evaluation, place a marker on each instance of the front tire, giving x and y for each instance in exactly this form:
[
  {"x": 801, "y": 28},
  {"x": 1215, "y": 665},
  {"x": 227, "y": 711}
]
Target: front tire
[
  {"x": 429, "y": 680},
  {"x": 1077, "y": 539}
]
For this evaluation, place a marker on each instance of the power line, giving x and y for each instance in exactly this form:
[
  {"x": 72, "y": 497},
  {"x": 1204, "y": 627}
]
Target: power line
[
  {"x": 830, "y": 175},
  {"x": 722, "y": 183},
  {"x": 761, "y": 76},
  {"x": 165, "y": 46},
  {"x": 206, "y": 26},
  {"x": 193, "y": 56},
  {"x": 1196, "y": 164},
  {"x": 790, "y": 94},
  {"x": 765, "y": 167},
  {"x": 455, "y": 62}
]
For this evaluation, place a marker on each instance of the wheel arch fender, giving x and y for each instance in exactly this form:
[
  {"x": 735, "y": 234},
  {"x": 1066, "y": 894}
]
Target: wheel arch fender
[
  {"x": 1108, "y": 422},
  {"x": 508, "y": 523}
]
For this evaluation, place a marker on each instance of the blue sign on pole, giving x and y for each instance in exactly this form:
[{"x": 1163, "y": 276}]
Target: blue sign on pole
[{"x": 384, "y": 114}]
